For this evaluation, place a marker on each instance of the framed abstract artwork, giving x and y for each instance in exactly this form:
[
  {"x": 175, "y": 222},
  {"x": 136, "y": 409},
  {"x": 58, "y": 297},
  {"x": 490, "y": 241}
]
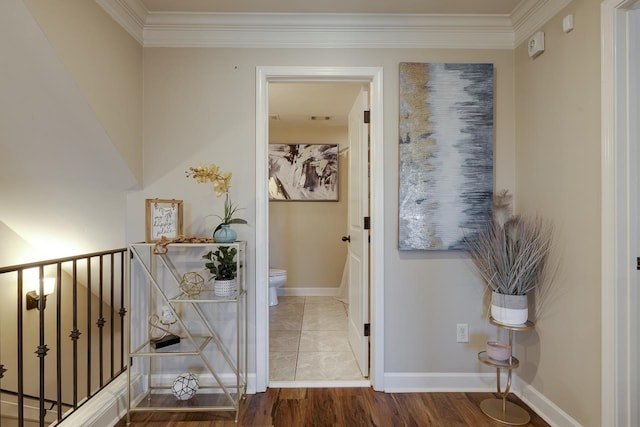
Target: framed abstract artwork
[
  {"x": 446, "y": 153},
  {"x": 303, "y": 172}
]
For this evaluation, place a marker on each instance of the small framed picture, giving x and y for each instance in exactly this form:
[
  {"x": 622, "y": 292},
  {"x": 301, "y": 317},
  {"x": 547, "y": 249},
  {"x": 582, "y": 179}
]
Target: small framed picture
[{"x": 163, "y": 218}]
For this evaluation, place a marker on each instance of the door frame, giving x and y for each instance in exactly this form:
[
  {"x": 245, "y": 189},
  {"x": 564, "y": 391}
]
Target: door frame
[
  {"x": 620, "y": 208},
  {"x": 373, "y": 76}
]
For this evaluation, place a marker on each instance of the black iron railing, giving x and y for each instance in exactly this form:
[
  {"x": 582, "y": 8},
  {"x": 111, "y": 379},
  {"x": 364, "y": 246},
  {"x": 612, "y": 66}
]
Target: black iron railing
[{"x": 60, "y": 349}]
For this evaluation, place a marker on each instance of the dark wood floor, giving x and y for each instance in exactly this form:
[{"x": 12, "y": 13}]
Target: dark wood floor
[{"x": 340, "y": 407}]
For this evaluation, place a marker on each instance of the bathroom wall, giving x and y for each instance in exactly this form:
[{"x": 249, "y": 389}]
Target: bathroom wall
[{"x": 305, "y": 237}]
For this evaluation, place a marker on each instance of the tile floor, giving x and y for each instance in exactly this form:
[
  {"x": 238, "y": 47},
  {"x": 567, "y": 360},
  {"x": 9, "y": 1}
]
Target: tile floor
[{"x": 308, "y": 341}]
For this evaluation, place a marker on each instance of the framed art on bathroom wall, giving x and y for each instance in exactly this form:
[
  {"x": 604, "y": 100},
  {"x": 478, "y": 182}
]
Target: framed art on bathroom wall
[
  {"x": 163, "y": 218},
  {"x": 303, "y": 172}
]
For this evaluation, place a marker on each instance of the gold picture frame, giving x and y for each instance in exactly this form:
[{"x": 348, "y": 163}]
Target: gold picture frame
[{"x": 163, "y": 219}]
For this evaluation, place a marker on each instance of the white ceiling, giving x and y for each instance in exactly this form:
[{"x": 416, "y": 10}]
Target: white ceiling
[
  {"x": 501, "y": 7},
  {"x": 296, "y": 103}
]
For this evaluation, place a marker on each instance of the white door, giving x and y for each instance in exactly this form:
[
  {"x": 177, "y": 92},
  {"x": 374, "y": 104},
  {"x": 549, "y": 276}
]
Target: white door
[
  {"x": 634, "y": 138},
  {"x": 358, "y": 252}
]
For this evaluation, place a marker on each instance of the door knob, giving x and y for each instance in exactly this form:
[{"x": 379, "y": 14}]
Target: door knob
[{"x": 346, "y": 238}]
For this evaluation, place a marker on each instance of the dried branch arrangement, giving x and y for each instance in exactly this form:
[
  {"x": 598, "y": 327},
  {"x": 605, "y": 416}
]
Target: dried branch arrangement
[{"x": 511, "y": 252}]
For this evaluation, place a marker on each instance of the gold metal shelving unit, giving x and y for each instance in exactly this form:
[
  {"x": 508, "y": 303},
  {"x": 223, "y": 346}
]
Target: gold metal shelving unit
[
  {"x": 212, "y": 330},
  {"x": 500, "y": 409}
]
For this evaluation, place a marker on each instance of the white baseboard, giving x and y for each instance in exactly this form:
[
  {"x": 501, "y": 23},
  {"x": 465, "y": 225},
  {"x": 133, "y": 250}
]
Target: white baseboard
[
  {"x": 404, "y": 382},
  {"x": 309, "y": 292},
  {"x": 478, "y": 382},
  {"x": 105, "y": 408},
  {"x": 542, "y": 406}
]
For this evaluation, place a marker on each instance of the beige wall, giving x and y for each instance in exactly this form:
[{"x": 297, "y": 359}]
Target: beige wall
[
  {"x": 62, "y": 179},
  {"x": 558, "y": 176},
  {"x": 305, "y": 237},
  {"x": 106, "y": 64},
  {"x": 199, "y": 106}
]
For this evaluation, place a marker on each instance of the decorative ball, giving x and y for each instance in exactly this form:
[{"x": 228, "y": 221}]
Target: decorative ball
[
  {"x": 191, "y": 283},
  {"x": 185, "y": 386}
]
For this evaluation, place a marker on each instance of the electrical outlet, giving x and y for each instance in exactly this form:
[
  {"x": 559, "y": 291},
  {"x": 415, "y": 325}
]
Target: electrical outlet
[{"x": 462, "y": 332}]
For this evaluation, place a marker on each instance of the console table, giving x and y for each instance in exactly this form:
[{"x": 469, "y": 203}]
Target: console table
[{"x": 211, "y": 331}]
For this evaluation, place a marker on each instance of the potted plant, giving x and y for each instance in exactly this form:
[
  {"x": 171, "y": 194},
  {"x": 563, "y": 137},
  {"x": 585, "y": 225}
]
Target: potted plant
[
  {"x": 223, "y": 267},
  {"x": 511, "y": 255},
  {"x": 223, "y": 233}
]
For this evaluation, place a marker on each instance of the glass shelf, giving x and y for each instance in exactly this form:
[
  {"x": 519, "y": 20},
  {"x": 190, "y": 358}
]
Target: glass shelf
[
  {"x": 184, "y": 348},
  {"x": 206, "y": 295}
]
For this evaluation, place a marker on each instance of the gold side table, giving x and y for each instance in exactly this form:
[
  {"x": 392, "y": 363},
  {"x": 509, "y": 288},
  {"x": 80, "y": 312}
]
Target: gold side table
[{"x": 499, "y": 409}]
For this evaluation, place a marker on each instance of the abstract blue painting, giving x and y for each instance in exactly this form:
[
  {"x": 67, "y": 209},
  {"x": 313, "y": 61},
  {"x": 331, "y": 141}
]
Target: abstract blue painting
[{"x": 446, "y": 153}]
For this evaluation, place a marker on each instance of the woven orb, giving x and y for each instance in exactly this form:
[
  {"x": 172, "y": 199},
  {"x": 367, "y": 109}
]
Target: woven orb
[
  {"x": 185, "y": 386},
  {"x": 191, "y": 283}
]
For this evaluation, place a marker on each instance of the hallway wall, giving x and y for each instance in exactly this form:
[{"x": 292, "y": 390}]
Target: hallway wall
[
  {"x": 558, "y": 176},
  {"x": 62, "y": 177},
  {"x": 199, "y": 107}
]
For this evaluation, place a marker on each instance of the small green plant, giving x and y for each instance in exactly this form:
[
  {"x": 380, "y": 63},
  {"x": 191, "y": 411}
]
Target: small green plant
[{"x": 222, "y": 263}]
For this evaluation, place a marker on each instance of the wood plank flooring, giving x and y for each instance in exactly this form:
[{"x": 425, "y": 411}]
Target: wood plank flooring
[{"x": 349, "y": 407}]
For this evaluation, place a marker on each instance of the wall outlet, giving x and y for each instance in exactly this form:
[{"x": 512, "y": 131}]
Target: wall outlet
[{"x": 462, "y": 332}]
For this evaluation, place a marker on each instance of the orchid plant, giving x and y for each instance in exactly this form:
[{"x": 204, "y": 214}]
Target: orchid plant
[{"x": 221, "y": 186}]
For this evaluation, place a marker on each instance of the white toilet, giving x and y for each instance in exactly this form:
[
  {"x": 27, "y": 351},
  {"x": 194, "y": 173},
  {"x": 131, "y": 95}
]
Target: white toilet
[{"x": 277, "y": 278}]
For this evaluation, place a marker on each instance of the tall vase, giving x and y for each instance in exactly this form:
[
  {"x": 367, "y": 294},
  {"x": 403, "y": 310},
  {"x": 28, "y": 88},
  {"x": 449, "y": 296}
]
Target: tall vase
[{"x": 225, "y": 234}]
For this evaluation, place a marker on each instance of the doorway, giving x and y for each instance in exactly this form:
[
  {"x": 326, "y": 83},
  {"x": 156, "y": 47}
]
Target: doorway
[
  {"x": 372, "y": 76},
  {"x": 620, "y": 28},
  {"x": 309, "y": 339}
]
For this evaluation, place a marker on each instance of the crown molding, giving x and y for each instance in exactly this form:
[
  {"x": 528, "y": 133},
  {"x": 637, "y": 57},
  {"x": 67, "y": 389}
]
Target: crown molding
[
  {"x": 327, "y": 31},
  {"x": 130, "y": 14},
  {"x": 281, "y": 30},
  {"x": 530, "y": 15}
]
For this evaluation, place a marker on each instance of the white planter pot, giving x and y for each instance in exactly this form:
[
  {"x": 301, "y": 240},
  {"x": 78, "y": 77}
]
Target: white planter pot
[
  {"x": 509, "y": 309},
  {"x": 224, "y": 288}
]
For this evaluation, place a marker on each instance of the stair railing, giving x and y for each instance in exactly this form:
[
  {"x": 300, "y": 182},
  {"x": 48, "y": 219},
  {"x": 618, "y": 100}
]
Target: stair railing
[{"x": 61, "y": 346}]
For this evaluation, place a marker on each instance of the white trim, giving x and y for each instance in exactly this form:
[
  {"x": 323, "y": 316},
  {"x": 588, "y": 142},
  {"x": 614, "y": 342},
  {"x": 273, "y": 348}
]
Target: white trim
[
  {"x": 542, "y": 406},
  {"x": 262, "y": 230},
  {"x": 250, "y": 30},
  {"x": 374, "y": 76},
  {"x": 530, "y": 15},
  {"x": 107, "y": 407},
  {"x": 420, "y": 382},
  {"x": 331, "y": 30},
  {"x": 130, "y": 14},
  {"x": 618, "y": 405}
]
